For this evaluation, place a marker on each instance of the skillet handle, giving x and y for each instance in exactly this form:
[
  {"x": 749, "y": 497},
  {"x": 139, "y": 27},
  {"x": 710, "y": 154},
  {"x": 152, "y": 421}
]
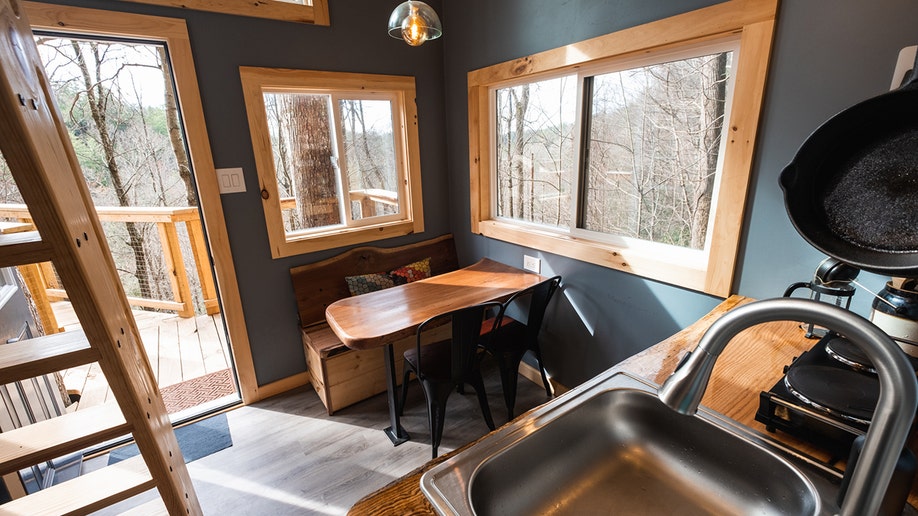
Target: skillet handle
[
  {"x": 788, "y": 178},
  {"x": 910, "y": 81}
]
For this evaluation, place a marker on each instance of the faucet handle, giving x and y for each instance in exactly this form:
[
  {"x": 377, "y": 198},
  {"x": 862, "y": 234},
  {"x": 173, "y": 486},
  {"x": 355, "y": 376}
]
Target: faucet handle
[{"x": 683, "y": 360}]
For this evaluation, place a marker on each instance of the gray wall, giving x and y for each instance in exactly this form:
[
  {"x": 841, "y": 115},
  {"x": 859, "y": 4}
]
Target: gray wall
[{"x": 828, "y": 54}]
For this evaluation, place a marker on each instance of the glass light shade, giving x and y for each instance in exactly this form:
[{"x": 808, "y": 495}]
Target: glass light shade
[{"x": 415, "y": 22}]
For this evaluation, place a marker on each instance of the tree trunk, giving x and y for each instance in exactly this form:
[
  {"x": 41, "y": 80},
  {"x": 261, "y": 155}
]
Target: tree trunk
[
  {"x": 309, "y": 135},
  {"x": 98, "y": 103},
  {"x": 714, "y": 107},
  {"x": 519, "y": 116},
  {"x": 175, "y": 129}
]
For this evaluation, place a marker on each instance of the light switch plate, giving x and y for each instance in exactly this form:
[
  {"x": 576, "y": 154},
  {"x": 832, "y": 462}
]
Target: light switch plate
[
  {"x": 533, "y": 264},
  {"x": 230, "y": 180}
]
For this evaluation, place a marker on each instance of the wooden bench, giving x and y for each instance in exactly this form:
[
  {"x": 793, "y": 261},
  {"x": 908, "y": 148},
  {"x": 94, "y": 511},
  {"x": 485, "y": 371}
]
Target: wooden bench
[{"x": 342, "y": 376}]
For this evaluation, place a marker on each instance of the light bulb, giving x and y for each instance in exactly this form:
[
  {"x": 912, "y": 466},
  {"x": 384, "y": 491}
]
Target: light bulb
[
  {"x": 415, "y": 23},
  {"x": 413, "y": 30}
]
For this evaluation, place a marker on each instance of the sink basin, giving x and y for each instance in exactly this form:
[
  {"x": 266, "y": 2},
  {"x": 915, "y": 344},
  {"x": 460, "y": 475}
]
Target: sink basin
[{"x": 612, "y": 445}]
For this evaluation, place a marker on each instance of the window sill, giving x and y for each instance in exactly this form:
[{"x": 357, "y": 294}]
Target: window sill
[
  {"x": 341, "y": 237},
  {"x": 678, "y": 267}
]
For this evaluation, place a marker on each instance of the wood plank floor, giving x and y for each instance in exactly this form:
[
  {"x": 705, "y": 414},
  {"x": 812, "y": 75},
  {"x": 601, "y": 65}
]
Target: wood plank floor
[
  {"x": 290, "y": 458},
  {"x": 179, "y": 349}
]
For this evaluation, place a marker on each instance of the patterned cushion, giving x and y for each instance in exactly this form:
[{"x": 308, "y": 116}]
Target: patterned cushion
[{"x": 366, "y": 283}]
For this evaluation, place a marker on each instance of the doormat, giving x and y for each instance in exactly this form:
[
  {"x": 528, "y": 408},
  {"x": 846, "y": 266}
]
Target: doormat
[
  {"x": 196, "y": 440},
  {"x": 197, "y": 391}
]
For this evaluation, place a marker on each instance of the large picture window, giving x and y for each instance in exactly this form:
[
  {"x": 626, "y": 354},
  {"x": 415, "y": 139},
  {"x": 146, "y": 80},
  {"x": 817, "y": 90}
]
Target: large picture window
[
  {"x": 335, "y": 160},
  {"x": 649, "y": 153},
  {"x": 635, "y": 155}
]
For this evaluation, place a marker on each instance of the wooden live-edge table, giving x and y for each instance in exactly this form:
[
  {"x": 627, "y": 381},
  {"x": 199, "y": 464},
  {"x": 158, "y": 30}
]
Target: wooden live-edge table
[
  {"x": 752, "y": 362},
  {"x": 377, "y": 319}
]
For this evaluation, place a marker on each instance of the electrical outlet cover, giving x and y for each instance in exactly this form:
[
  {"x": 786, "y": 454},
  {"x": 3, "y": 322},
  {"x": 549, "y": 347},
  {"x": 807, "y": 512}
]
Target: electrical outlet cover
[{"x": 531, "y": 263}]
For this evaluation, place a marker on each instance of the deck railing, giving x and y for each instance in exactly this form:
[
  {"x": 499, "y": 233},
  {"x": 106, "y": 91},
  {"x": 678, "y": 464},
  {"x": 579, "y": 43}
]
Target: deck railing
[
  {"x": 42, "y": 277},
  {"x": 370, "y": 200}
]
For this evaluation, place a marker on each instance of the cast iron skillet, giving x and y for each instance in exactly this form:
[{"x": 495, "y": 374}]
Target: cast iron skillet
[{"x": 852, "y": 189}]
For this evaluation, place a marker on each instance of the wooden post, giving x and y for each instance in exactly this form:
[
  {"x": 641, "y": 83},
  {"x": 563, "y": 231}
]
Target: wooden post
[
  {"x": 178, "y": 278},
  {"x": 35, "y": 283},
  {"x": 202, "y": 262}
]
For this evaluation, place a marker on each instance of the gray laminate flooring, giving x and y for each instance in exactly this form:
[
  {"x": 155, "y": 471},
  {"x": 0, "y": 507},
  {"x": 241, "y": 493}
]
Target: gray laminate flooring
[{"x": 289, "y": 457}]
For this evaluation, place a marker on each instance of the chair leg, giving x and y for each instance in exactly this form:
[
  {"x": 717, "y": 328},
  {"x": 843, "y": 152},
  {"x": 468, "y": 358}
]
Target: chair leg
[
  {"x": 545, "y": 382},
  {"x": 478, "y": 384},
  {"x": 509, "y": 365},
  {"x": 436, "y": 415},
  {"x": 400, "y": 408}
]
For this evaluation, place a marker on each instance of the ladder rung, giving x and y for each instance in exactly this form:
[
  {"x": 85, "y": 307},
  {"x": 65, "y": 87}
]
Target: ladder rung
[
  {"x": 46, "y": 354},
  {"x": 86, "y": 493},
  {"x": 24, "y": 248},
  {"x": 61, "y": 435}
]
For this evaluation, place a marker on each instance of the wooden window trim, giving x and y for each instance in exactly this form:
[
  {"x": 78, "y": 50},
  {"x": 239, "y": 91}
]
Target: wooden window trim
[
  {"x": 315, "y": 14},
  {"x": 173, "y": 32},
  {"x": 710, "y": 271},
  {"x": 255, "y": 81}
]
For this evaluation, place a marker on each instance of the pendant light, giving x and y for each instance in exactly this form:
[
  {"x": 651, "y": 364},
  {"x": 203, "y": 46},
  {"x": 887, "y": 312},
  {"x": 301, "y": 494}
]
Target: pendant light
[{"x": 415, "y": 22}]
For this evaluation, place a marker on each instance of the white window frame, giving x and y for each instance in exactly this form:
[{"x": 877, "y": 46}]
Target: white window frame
[
  {"x": 709, "y": 270},
  {"x": 400, "y": 90}
]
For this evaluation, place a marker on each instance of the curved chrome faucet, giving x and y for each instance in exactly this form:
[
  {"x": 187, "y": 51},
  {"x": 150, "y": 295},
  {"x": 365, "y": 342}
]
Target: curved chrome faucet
[{"x": 895, "y": 410}]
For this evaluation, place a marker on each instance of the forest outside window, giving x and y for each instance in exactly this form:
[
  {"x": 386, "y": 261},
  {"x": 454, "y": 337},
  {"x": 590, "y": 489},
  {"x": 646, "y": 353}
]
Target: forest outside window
[
  {"x": 649, "y": 148},
  {"x": 636, "y": 159},
  {"x": 336, "y": 155}
]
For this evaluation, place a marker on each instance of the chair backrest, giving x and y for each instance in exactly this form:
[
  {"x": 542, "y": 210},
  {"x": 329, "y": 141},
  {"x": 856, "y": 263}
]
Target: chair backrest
[
  {"x": 539, "y": 295},
  {"x": 466, "y": 333}
]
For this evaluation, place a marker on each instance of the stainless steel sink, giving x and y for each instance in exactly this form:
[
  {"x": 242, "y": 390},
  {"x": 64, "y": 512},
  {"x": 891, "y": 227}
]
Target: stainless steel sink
[{"x": 612, "y": 446}]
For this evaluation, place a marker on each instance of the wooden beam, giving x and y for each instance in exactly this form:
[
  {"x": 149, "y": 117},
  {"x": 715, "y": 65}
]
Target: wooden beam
[{"x": 315, "y": 14}]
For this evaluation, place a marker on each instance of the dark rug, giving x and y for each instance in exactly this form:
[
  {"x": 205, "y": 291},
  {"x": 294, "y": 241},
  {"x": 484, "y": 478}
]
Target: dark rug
[{"x": 196, "y": 440}]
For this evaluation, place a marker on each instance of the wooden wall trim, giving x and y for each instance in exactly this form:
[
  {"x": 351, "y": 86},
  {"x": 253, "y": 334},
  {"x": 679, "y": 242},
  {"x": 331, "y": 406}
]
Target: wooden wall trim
[{"x": 315, "y": 14}]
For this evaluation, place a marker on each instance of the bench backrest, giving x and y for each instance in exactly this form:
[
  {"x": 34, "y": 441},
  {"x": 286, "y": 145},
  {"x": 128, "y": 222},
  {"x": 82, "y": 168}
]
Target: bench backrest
[{"x": 320, "y": 284}]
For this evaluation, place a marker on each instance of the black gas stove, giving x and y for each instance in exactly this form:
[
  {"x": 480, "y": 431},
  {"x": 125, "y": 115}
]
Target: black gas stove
[{"x": 826, "y": 397}]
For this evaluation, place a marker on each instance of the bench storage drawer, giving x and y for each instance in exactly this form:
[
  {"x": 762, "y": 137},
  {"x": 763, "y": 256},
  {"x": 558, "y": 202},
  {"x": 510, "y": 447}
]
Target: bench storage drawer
[{"x": 342, "y": 376}]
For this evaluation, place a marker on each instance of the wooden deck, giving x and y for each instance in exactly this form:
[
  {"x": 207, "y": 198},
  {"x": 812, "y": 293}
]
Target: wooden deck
[{"x": 179, "y": 350}]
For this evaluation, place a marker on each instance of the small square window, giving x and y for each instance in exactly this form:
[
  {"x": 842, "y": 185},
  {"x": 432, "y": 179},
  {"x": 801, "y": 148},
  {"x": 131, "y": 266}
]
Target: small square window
[{"x": 337, "y": 158}]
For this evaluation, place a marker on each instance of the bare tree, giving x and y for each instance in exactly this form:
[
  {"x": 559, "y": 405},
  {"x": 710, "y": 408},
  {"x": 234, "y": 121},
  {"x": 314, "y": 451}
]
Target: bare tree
[
  {"x": 309, "y": 136},
  {"x": 175, "y": 129},
  {"x": 651, "y": 139},
  {"x": 98, "y": 98},
  {"x": 714, "y": 105},
  {"x": 369, "y": 171},
  {"x": 520, "y": 104}
]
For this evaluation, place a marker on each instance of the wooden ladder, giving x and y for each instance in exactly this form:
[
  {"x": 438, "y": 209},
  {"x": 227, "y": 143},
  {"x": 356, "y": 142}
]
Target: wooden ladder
[{"x": 36, "y": 146}]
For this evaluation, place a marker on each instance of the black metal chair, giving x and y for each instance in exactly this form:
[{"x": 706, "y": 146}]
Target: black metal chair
[
  {"x": 444, "y": 366},
  {"x": 511, "y": 338}
]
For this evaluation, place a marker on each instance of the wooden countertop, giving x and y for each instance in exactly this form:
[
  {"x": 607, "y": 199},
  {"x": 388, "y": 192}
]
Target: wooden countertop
[{"x": 753, "y": 362}]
